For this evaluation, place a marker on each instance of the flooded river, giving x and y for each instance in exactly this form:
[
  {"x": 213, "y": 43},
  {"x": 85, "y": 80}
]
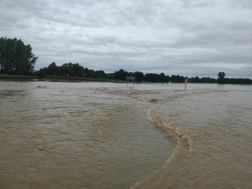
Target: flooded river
[{"x": 106, "y": 135}]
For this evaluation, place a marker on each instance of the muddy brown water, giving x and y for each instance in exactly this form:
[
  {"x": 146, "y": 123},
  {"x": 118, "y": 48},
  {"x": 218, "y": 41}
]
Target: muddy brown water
[{"x": 104, "y": 135}]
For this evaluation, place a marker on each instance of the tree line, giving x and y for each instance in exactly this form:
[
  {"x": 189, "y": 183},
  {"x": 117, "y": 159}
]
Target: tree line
[
  {"x": 139, "y": 76},
  {"x": 76, "y": 70},
  {"x": 221, "y": 80},
  {"x": 70, "y": 69},
  {"x": 16, "y": 57}
]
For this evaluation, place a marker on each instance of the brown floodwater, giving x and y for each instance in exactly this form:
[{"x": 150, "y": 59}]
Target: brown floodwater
[{"x": 105, "y": 135}]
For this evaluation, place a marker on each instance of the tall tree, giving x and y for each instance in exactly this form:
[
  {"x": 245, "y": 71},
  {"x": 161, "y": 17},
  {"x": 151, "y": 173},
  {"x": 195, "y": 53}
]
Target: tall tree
[
  {"x": 162, "y": 77},
  {"x": 16, "y": 57},
  {"x": 52, "y": 69},
  {"x": 120, "y": 75},
  {"x": 221, "y": 75},
  {"x": 139, "y": 76},
  {"x": 78, "y": 70},
  {"x": 196, "y": 79}
]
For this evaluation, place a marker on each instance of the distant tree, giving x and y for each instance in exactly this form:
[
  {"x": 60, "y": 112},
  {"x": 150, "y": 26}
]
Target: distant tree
[
  {"x": 72, "y": 69},
  {"x": 86, "y": 72},
  {"x": 110, "y": 75},
  {"x": 173, "y": 78},
  {"x": 167, "y": 78},
  {"x": 121, "y": 75},
  {"x": 162, "y": 77},
  {"x": 40, "y": 74},
  {"x": 152, "y": 77},
  {"x": 100, "y": 74},
  {"x": 177, "y": 78},
  {"x": 78, "y": 70},
  {"x": 66, "y": 69},
  {"x": 91, "y": 73},
  {"x": 139, "y": 76},
  {"x": 197, "y": 79},
  {"x": 52, "y": 69},
  {"x": 45, "y": 70},
  {"x": 221, "y": 75}
]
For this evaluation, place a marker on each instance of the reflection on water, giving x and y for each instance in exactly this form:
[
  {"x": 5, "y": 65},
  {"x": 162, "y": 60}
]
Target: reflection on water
[{"x": 102, "y": 135}]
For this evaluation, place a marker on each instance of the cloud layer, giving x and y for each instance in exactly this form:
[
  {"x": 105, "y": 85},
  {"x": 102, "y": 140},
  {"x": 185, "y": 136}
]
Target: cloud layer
[{"x": 171, "y": 36}]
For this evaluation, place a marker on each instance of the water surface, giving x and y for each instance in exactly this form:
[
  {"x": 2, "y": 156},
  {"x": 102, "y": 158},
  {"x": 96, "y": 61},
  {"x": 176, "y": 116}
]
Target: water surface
[
  {"x": 76, "y": 135},
  {"x": 104, "y": 135}
]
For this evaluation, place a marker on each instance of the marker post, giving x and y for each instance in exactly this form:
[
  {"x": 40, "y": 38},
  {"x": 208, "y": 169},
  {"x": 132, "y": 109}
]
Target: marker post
[
  {"x": 130, "y": 78},
  {"x": 186, "y": 81}
]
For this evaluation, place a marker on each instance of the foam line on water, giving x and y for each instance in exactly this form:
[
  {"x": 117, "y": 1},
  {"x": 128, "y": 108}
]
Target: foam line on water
[{"x": 183, "y": 140}]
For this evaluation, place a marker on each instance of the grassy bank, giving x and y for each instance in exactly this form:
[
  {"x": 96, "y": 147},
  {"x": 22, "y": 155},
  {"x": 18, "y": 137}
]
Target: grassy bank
[
  {"x": 17, "y": 77},
  {"x": 52, "y": 78}
]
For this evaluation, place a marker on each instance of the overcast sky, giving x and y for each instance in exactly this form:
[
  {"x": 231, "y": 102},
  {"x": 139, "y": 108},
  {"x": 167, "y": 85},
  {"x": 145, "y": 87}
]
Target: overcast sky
[{"x": 181, "y": 37}]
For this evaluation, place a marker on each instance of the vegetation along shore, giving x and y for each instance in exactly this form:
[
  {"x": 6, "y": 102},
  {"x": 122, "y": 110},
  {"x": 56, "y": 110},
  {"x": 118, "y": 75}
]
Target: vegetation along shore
[{"x": 17, "y": 63}]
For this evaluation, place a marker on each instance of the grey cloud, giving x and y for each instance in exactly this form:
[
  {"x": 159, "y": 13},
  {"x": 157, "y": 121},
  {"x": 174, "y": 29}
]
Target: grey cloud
[{"x": 175, "y": 37}]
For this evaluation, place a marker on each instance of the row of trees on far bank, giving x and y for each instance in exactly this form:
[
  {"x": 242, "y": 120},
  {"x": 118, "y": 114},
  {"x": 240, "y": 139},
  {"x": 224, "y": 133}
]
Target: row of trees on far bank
[
  {"x": 70, "y": 69},
  {"x": 221, "y": 79},
  {"x": 76, "y": 70},
  {"x": 139, "y": 76},
  {"x": 16, "y": 57}
]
